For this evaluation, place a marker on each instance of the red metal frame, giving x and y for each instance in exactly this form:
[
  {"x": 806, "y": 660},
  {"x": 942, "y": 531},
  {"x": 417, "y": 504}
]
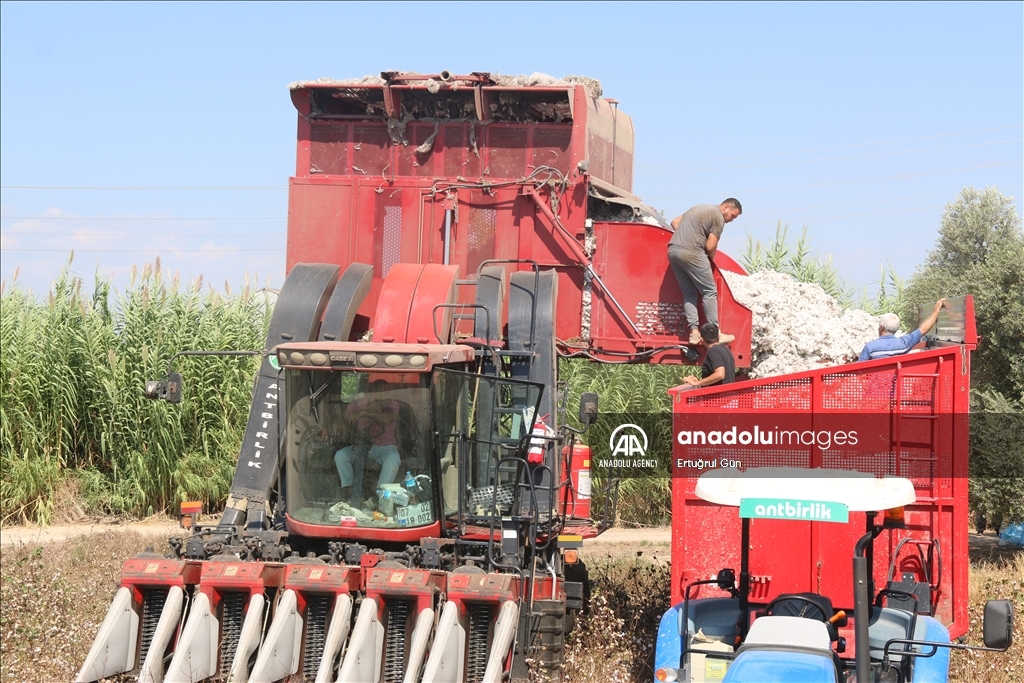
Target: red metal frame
[
  {"x": 306, "y": 579},
  {"x": 913, "y": 412},
  {"x": 359, "y": 197},
  {"x": 252, "y": 578},
  {"x": 139, "y": 573},
  {"x": 313, "y": 578},
  {"x": 420, "y": 585}
]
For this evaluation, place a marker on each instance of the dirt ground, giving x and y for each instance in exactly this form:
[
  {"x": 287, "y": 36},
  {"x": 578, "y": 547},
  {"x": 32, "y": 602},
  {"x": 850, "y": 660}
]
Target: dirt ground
[
  {"x": 57, "y": 584},
  {"x": 35, "y": 535}
]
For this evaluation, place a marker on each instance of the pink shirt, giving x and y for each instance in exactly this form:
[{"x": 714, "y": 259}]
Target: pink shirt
[{"x": 387, "y": 412}]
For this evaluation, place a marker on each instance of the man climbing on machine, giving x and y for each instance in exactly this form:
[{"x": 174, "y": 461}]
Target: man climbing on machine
[{"x": 690, "y": 253}]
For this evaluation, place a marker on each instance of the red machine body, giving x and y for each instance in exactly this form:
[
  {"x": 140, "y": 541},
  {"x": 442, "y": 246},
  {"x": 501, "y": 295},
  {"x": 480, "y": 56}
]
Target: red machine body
[
  {"x": 910, "y": 418},
  {"x": 578, "y": 465},
  {"x": 402, "y": 185}
]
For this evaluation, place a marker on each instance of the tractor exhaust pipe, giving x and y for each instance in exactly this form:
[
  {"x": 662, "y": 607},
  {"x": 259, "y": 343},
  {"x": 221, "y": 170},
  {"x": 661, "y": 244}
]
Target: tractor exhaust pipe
[{"x": 862, "y": 608}]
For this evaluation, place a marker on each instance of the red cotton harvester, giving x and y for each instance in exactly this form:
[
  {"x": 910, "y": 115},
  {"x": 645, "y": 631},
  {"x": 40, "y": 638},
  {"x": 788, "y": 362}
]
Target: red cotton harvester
[{"x": 408, "y": 499}]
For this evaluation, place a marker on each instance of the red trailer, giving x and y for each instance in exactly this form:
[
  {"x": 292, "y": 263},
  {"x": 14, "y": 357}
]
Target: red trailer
[{"x": 905, "y": 416}]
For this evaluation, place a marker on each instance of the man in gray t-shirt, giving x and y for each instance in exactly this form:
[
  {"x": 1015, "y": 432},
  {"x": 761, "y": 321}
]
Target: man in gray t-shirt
[{"x": 690, "y": 252}]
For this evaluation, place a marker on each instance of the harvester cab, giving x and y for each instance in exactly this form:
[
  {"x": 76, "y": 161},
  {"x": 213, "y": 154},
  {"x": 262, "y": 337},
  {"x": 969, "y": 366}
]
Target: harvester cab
[
  {"x": 393, "y": 442},
  {"x": 796, "y": 637}
]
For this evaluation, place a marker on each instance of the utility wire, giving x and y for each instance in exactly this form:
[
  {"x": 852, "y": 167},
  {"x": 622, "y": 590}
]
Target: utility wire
[
  {"x": 125, "y": 234},
  {"x": 873, "y": 201},
  {"x": 240, "y": 250},
  {"x": 640, "y": 166},
  {"x": 849, "y": 215},
  {"x": 124, "y": 218},
  {"x": 278, "y": 234},
  {"x": 169, "y": 250},
  {"x": 824, "y": 159},
  {"x": 226, "y": 188},
  {"x": 829, "y": 149},
  {"x": 838, "y": 182}
]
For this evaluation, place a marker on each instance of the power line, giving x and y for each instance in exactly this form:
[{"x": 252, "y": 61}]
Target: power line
[
  {"x": 145, "y": 251},
  {"x": 873, "y": 201},
  {"x": 125, "y": 234},
  {"x": 839, "y": 182},
  {"x": 828, "y": 149},
  {"x": 833, "y": 206},
  {"x": 812, "y": 161},
  {"x": 745, "y": 213},
  {"x": 851, "y": 215},
  {"x": 122, "y": 218},
  {"x": 146, "y": 189}
]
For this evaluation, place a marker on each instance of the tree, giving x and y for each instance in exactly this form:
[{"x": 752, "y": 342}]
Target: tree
[
  {"x": 980, "y": 251},
  {"x": 996, "y": 460}
]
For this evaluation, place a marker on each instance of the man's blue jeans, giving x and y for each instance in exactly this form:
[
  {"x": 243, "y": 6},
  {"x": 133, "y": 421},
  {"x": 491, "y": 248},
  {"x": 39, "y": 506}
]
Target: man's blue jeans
[{"x": 693, "y": 273}]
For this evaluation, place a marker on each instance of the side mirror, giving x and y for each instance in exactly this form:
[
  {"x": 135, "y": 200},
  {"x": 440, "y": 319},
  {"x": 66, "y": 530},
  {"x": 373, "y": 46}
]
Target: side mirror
[
  {"x": 588, "y": 409},
  {"x": 998, "y": 624},
  {"x": 167, "y": 390},
  {"x": 726, "y": 579}
]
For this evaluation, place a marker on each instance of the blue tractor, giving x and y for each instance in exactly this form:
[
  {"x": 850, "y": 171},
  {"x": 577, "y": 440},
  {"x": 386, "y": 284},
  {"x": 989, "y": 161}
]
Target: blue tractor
[{"x": 796, "y": 638}]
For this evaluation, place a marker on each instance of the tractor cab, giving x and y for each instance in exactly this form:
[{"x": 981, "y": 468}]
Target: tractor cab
[{"x": 801, "y": 637}]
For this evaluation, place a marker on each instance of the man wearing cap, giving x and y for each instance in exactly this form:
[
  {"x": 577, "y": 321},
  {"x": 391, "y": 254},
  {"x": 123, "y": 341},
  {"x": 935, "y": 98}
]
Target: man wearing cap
[
  {"x": 888, "y": 344},
  {"x": 690, "y": 253}
]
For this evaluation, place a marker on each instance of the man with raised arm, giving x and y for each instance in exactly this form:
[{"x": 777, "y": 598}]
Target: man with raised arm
[{"x": 888, "y": 344}]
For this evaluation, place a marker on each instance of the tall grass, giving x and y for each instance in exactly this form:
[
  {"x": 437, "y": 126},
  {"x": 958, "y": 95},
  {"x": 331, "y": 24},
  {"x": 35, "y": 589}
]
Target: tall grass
[
  {"x": 795, "y": 258},
  {"x": 635, "y": 394},
  {"x": 73, "y": 417}
]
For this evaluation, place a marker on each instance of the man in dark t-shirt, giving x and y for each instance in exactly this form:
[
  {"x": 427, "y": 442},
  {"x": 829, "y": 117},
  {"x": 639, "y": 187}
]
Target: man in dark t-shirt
[
  {"x": 691, "y": 250},
  {"x": 719, "y": 366}
]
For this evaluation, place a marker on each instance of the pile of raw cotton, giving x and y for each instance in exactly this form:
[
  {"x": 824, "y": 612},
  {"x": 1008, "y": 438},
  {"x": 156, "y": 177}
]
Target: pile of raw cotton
[
  {"x": 522, "y": 80},
  {"x": 513, "y": 81},
  {"x": 796, "y": 325}
]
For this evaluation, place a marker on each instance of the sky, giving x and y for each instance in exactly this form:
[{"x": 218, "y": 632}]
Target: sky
[{"x": 131, "y": 131}]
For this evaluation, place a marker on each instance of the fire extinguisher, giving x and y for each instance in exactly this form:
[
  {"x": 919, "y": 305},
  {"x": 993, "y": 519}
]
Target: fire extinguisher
[
  {"x": 578, "y": 464},
  {"x": 535, "y": 455}
]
